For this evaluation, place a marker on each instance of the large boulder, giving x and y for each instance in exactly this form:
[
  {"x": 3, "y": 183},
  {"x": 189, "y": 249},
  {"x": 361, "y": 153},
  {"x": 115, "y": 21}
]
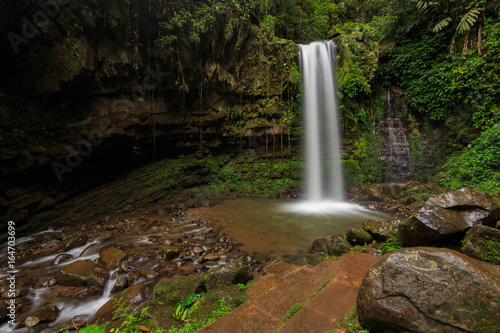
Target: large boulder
[
  {"x": 429, "y": 290},
  {"x": 482, "y": 242},
  {"x": 446, "y": 217}
]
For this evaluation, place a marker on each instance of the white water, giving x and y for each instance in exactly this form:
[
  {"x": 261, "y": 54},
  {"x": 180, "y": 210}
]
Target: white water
[
  {"x": 322, "y": 142},
  {"x": 324, "y": 190}
]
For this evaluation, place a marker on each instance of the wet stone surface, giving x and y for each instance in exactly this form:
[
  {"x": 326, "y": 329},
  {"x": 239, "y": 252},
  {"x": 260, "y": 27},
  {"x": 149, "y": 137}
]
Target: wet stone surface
[{"x": 106, "y": 255}]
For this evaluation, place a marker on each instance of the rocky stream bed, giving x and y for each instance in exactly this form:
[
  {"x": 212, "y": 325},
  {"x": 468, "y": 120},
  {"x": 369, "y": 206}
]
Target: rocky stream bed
[{"x": 108, "y": 267}]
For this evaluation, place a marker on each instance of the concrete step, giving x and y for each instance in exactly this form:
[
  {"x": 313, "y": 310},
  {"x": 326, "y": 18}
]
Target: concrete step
[{"x": 327, "y": 291}]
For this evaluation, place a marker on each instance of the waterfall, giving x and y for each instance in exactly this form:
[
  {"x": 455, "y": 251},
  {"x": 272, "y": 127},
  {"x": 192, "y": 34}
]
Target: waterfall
[
  {"x": 396, "y": 148},
  {"x": 323, "y": 175}
]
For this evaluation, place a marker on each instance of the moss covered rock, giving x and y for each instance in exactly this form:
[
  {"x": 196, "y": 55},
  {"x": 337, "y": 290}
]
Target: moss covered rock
[
  {"x": 333, "y": 246},
  {"x": 121, "y": 304},
  {"x": 171, "y": 290},
  {"x": 380, "y": 230},
  {"x": 358, "y": 236},
  {"x": 482, "y": 242},
  {"x": 216, "y": 302},
  {"x": 224, "y": 275}
]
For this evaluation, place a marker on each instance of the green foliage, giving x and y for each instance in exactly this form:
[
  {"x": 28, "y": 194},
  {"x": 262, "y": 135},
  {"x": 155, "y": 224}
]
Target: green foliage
[
  {"x": 194, "y": 325},
  {"x": 132, "y": 323},
  {"x": 91, "y": 329},
  {"x": 293, "y": 310},
  {"x": 478, "y": 166},
  {"x": 357, "y": 68},
  {"x": 362, "y": 164},
  {"x": 350, "y": 323},
  {"x": 184, "y": 307},
  {"x": 390, "y": 245},
  {"x": 435, "y": 83},
  {"x": 419, "y": 159},
  {"x": 492, "y": 248}
]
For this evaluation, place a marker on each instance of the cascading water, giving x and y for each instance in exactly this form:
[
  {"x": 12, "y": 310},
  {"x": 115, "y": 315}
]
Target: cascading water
[
  {"x": 322, "y": 142},
  {"x": 396, "y": 148},
  {"x": 323, "y": 165}
]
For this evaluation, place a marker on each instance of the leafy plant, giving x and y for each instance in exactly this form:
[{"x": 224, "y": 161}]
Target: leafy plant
[
  {"x": 478, "y": 166},
  {"x": 390, "y": 245},
  {"x": 184, "y": 307}
]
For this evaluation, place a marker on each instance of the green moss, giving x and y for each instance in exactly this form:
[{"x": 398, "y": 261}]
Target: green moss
[
  {"x": 350, "y": 323},
  {"x": 293, "y": 310}
]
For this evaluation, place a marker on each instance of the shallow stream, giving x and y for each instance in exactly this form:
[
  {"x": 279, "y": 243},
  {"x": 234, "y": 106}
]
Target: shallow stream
[{"x": 267, "y": 228}]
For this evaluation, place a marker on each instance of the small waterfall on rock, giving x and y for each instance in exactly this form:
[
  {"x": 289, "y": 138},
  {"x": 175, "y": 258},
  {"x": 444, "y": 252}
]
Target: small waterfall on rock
[
  {"x": 323, "y": 160},
  {"x": 396, "y": 147}
]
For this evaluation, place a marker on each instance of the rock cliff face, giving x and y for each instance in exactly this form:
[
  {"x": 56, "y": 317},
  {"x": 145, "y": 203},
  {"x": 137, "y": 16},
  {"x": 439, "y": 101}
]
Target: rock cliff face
[{"x": 88, "y": 92}]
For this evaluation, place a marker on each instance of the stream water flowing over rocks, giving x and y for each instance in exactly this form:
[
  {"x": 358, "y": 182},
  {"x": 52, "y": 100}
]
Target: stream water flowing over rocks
[{"x": 78, "y": 267}]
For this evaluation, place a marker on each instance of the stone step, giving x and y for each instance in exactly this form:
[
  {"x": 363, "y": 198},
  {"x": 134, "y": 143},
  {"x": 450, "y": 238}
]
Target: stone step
[
  {"x": 271, "y": 298},
  {"x": 327, "y": 308}
]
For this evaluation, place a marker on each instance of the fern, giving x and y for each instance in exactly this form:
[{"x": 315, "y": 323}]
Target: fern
[
  {"x": 442, "y": 24},
  {"x": 423, "y": 6},
  {"x": 468, "y": 20}
]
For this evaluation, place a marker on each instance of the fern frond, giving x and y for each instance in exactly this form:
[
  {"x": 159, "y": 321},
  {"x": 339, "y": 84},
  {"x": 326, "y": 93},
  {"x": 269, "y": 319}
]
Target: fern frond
[
  {"x": 468, "y": 20},
  {"x": 422, "y": 6},
  {"x": 442, "y": 24}
]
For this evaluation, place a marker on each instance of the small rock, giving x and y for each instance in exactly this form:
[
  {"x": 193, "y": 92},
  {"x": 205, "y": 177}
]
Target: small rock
[
  {"x": 74, "y": 242},
  {"x": 131, "y": 278},
  {"x": 97, "y": 279},
  {"x": 111, "y": 257},
  {"x": 120, "y": 284},
  {"x": 18, "y": 292},
  {"x": 148, "y": 274},
  {"x": 225, "y": 275},
  {"x": 211, "y": 257},
  {"x": 62, "y": 258},
  {"x": 372, "y": 193},
  {"x": 334, "y": 246},
  {"x": 75, "y": 274},
  {"x": 45, "y": 315},
  {"x": 380, "y": 230},
  {"x": 358, "y": 236},
  {"x": 169, "y": 252}
]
